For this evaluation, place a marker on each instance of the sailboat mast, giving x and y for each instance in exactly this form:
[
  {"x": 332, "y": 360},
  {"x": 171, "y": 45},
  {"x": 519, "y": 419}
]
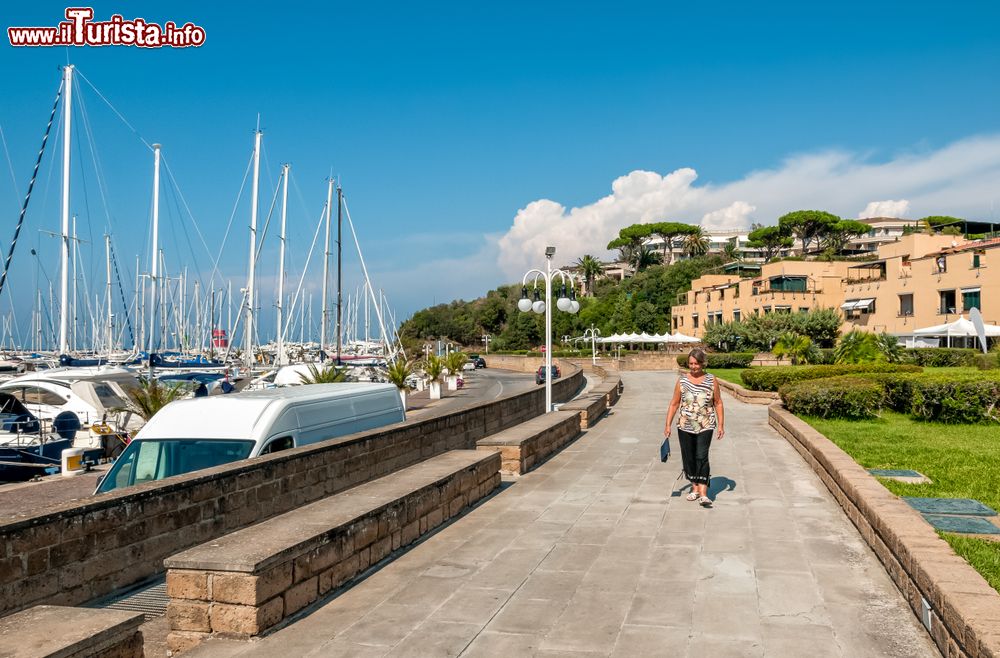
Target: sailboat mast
[
  {"x": 326, "y": 267},
  {"x": 67, "y": 145},
  {"x": 280, "y": 355},
  {"x": 154, "y": 270},
  {"x": 107, "y": 268},
  {"x": 340, "y": 205},
  {"x": 74, "y": 299},
  {"x": 249, "y": 328}
]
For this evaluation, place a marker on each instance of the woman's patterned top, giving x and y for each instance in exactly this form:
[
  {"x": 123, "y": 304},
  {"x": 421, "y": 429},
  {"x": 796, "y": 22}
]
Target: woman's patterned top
[{"x": 697, "y": 404}]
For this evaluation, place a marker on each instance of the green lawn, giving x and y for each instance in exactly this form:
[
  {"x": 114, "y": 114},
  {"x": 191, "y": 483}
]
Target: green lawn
[
  {"x": 729, "y": 374},
  {"x": 962, "y": 460}
]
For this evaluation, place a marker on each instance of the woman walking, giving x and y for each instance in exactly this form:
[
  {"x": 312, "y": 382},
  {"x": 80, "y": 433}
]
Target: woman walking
[{"x": 699, "y": 401}]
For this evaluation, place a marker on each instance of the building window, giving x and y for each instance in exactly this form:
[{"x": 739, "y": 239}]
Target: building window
[
  {"x": 694, "y": 320},
  {"x": 906, "y": 305},
  {"x": 736, "y": 315},
  {"x": 941, "y": 265},
  {"x": 767, "y": 309},
  {"x": 971, "y": 299},
  {"x": 736, "y": 292},
  {"x": 788, "y": 284},
  {"x": 803, "y": 309},
  {"x": 976, "y": 261},
  {"x": 947, "y": 299}
]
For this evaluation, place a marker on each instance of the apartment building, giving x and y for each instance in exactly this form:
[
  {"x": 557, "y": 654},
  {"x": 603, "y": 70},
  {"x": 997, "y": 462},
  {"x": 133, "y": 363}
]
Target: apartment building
[{"x": 916, "y": 281}]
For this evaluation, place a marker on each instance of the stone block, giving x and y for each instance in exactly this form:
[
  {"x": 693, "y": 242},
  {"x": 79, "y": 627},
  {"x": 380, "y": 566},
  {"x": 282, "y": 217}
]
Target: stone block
[
  {"x": 365, "y": 532},
  {"x": 434, "y": 518},
  {"x": 182, "y": 584},
  {"x": 317, "y": 560},
  {"x": 301, "y": 595},
  {"x": 245, "y": 620},
  {"x": 181, "y": 641},
  {"x": 188, "y": 615}
]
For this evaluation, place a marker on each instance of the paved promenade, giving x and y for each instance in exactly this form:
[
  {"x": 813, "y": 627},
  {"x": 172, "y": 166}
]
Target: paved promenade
[{"x": 596, "y": 553}]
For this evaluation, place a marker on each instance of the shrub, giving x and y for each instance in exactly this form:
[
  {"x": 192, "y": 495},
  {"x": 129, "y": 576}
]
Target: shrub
[
  {"x": 773, "y": 378},
  {"x": 858, "y": 347},
  {"x": 956, "y": 400},
  {"x": 989, "y": 361},
  {"x": 940, "y": 357},
  {"x": 722, "y": 360},
  {"x": 826, "y": 356},
  {"x": 835, "y": 397}
]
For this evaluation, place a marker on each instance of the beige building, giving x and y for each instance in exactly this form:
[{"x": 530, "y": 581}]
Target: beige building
[{"x": 917, "y": 281}]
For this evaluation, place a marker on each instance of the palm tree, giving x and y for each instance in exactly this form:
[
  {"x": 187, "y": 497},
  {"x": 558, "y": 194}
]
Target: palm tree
[
  {"x": 454, "y": 362},
  {"x": 645, "y": 257},
  {"x": 151, "y": 396},
  {"x": 591, "y": 268},
  {"x": 328, "y": 375},
  {"x": 696, "y": 243},
  {"x": 800, "y": 349},
  {"x": 731, "y": 251},
  {"x": 857, "y": 347}
]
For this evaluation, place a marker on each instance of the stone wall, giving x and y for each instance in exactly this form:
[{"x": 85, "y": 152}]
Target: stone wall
[
  {"x": 85, "y": 549},
  {"x": 651, "y": 360},
  {"x": 957, "y": 606}
]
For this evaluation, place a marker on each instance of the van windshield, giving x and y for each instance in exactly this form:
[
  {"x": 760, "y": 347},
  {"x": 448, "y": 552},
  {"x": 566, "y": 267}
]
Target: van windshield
[{"x": 155, "y": 459}]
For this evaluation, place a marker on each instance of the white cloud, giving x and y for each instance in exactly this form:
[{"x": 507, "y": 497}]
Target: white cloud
[
  {"x": 885, "y": 209},
  {"x": 959, "y": 179},
  {"x": 733, "y": 216}
]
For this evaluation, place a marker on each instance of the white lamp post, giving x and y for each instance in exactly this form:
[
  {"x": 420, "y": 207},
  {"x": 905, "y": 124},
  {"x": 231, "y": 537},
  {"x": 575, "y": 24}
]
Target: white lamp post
[
  {"x": 566, "y": 302},
  {"x": 486, "y": 341},
  {"x": 592, "y": 333}
]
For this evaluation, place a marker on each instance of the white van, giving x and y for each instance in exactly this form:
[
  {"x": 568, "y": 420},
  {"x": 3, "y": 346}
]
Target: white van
[{"x": 189, "y": 435}]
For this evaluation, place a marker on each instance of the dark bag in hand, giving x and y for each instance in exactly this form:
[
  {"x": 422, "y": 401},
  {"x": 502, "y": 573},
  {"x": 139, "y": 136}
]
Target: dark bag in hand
[{"x": 665, "y": 449}]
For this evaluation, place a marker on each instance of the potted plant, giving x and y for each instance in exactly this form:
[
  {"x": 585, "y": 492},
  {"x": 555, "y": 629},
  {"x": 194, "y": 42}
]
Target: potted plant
[
  {"x": 399, "y": 372},
  {"x": 454, "y": 362},
  {"x": 434, "y": 366}
]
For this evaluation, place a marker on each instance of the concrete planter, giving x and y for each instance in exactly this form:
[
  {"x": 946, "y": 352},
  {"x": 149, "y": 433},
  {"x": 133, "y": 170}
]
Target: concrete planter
[
  {"x": 435, "y": 387},
  {"x": 452, "y": 382}
]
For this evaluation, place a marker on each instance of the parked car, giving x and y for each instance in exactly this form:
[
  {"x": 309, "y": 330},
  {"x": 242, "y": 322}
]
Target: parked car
[
  {"x": 469, "y": 365},
  {"x": 540, "y": 374},
  {"x": 480, "y": 362},
  {"x": 190, "y": 435}
]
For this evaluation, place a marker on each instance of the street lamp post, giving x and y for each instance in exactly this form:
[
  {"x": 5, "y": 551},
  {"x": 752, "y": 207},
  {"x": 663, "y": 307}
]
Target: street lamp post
[
  {"x": 486, "y": 341},
  {"x": 566, "y": 303},
  {"x": 592, "y": 333}
]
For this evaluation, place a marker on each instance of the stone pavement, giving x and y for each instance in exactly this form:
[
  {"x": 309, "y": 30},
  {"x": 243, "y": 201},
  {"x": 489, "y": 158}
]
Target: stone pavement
[{"x": 596, "y": 553}]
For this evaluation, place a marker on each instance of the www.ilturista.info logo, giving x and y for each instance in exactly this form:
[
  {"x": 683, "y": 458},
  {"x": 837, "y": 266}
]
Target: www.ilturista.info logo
[{"x": 79, "y": 29}]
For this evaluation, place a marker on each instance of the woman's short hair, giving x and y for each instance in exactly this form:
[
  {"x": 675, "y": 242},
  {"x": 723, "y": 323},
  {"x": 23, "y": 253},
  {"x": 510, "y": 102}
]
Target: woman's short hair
[{"x": 698, "y": 355}]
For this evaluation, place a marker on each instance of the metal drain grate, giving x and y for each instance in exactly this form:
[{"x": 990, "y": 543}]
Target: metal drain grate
[{"x": 150, "y": 600}]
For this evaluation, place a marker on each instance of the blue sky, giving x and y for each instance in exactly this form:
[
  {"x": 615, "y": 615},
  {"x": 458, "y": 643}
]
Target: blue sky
[{"x": 446, "y": 121}]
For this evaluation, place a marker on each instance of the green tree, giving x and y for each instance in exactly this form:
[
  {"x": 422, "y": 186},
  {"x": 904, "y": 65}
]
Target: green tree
[
  {"x": 807, "y": 225},
  {"x": 770, "y": 239},
  {"x": 842, "y": 232},
  {"x": 621, "y": 320},
  {"x": 646, "y": 317},
  {"x": 668, "y": 231},
  {"x": 590, "y": 268},
  {"x": 939, "y": 222}
]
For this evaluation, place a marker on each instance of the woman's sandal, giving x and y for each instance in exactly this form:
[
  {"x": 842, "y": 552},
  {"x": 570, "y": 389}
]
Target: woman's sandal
[
  {"x": 705, "y": 501},
  {"x": 692, "y": 496}
]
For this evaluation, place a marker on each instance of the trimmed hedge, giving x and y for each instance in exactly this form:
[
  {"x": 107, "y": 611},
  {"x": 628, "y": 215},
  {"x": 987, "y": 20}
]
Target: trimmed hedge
[
  {"x": 772, "y": 378},
  {"x": 940, "y": 357},
  {"x": 835, "y": 397},
  {"x": 949, "y": 400},
  {"x": 961, "y": 399},
  {"x": 722, "y": 359}
]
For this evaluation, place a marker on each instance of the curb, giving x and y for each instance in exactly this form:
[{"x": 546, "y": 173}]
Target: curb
[{"x": 953, "y": 601}]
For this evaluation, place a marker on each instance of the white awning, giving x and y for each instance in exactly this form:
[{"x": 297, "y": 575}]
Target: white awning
[
  {"x": 969, "y": 290},
  {"x": 848, "y": 305}
]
